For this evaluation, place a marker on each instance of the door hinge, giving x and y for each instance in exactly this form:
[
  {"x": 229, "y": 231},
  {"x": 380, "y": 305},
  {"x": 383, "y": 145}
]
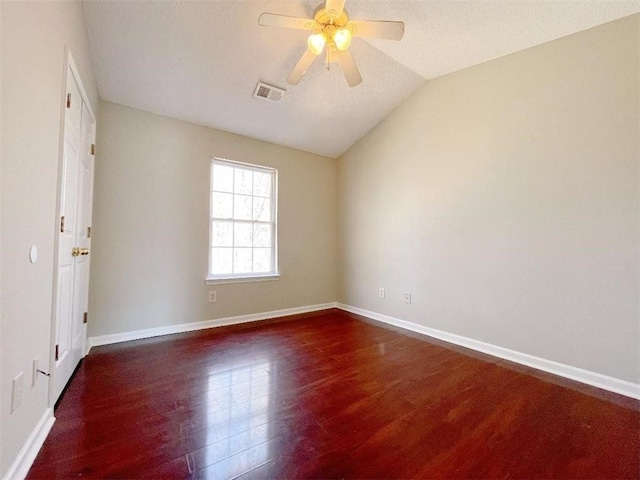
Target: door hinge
[
  {"x": 68, "y": 100},
  {"x": 93, "y": 149},
  {"x": 57, "y": 352},
  {"x": 85, "y": 317},
  {"x": 62, "y": 224},
  {"x": 88, "y": 232}
]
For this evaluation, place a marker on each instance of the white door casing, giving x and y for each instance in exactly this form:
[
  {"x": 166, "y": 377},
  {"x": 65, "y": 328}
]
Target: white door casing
[{"x": 71, "y": 278}]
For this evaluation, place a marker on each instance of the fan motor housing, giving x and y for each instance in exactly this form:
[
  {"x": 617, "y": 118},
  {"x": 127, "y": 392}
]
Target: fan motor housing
[{"x": 322, "y": 17}]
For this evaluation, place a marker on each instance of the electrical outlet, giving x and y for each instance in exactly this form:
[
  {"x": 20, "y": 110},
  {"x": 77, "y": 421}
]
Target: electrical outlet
[
  {"x": 16, "y": 392},
  {"x": 34, "y": 373},
  {"x": 381, "y": 292},
  {"x": 213, "y": 296},
  {"x": 407, "y": 298}
]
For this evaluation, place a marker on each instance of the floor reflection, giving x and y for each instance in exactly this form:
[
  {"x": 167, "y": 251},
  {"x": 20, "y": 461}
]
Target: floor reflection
[{"x": 237, "y": 421}]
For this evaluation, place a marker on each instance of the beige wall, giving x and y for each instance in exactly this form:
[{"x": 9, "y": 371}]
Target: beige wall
[
  {"x": 151, "y": 227},
  {"x": 505, "y": 198},
  {"x": 34, "y": 35}
]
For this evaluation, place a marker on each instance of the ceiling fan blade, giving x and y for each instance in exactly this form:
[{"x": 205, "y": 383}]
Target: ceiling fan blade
[
  {"x": 378, "y": 29},
  {"x": 334, "y": 8},
  {"x": 284, "y": 21},
  {"x": 349, "y": 68},
  {"x": 301, "y": 67}
]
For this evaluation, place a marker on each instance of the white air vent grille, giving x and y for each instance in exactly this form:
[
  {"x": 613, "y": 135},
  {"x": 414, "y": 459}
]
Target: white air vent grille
[{"x": 268, "y": 92}]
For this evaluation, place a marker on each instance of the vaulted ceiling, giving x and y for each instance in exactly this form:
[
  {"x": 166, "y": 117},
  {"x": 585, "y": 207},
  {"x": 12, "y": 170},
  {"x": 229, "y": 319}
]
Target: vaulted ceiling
[{"x": 200, "y": 61}]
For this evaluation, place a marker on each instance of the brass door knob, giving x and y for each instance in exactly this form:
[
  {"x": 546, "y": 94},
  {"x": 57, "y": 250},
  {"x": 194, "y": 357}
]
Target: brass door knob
[{"x": 77, "y": 251}]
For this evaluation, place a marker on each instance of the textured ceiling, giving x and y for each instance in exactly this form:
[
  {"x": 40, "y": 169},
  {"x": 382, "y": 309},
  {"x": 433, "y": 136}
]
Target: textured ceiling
[{"x": 200, "y": 61}]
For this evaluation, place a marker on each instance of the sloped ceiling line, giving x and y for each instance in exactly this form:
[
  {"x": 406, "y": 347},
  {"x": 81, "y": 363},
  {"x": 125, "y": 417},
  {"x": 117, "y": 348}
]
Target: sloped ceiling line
[{"x": 200, "y": 61}]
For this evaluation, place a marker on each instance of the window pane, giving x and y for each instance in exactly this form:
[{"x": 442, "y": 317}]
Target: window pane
[
  {"x": 222, "y": 234},
  {"x": 222, "y": 178},
  {"x": 242, "y": 219},
  {"x": 221, "y": 260},
  {"x": 241, "y": 260},
  {"x": 221, "y": 205},
  {"x": 261, "y": 184},
  {"x": 261, "y": 209},
  {"x": 261, "y": 235},
  {"x": 262, "y": 260},
  {"x": 243, "y": 181},
  {"x": 241, "y": 207},
  {"x": 242, "y": 234}
]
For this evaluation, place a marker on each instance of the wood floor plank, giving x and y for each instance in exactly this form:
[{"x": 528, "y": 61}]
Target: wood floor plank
[{"x": 329, "y": 395}]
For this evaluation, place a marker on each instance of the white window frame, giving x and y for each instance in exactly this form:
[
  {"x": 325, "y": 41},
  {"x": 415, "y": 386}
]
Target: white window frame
[{"x": 213, "y": 279}]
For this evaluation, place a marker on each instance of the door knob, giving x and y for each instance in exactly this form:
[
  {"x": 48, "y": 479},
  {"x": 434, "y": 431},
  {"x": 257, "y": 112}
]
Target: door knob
[{"x": 77, "y": 251}]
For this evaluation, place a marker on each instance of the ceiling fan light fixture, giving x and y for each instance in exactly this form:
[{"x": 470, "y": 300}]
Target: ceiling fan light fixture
[
  {"x": 332, "y": 28},
  {"x": 342, "y": 38},
  {"x": 316, "y": 43}
]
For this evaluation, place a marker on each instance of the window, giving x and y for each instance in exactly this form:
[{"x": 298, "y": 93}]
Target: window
[{"x": 243, "y": 221}]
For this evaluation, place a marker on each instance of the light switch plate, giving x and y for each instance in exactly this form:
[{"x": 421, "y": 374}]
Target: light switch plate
[{"x": 16, "y": 392}]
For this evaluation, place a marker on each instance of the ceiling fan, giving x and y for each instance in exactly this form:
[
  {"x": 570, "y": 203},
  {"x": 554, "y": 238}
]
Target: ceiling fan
[{"x": 332, "y": 28}]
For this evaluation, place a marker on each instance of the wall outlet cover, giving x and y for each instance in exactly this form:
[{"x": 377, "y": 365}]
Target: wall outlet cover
[{"x": 16, "y": 392}]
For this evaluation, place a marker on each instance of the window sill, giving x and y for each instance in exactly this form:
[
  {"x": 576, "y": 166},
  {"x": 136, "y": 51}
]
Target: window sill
[{"x": 253, "y": 278}]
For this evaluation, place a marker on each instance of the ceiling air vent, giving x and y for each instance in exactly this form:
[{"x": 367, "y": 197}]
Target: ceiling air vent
[{"x": 268, "y": 92}]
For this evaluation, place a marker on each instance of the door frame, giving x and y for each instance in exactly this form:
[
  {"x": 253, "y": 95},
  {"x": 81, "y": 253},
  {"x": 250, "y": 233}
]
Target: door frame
[{"x": 69, "y": 66}]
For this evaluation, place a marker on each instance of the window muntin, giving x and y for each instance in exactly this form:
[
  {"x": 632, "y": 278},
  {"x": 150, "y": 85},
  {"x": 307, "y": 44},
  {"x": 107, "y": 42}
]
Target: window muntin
[{"x": 243, "y": 220}]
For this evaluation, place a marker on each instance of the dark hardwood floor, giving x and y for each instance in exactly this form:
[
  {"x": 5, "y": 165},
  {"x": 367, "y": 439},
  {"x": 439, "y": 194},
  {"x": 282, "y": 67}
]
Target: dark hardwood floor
[{"x": 329, "y": 395}]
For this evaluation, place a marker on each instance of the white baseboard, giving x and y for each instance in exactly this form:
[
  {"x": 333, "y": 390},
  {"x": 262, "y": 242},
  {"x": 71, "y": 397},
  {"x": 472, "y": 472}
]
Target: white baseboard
[
  {"x": 190, "y": 327},
  {"x": 605, "y": 382},
  {"x": 21, "y": 465}
]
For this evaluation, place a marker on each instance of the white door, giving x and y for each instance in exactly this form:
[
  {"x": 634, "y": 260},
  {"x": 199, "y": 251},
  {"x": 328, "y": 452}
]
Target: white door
[
  {"x": 72, "y": 276},
  {"x": 83, "y": 238}
]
